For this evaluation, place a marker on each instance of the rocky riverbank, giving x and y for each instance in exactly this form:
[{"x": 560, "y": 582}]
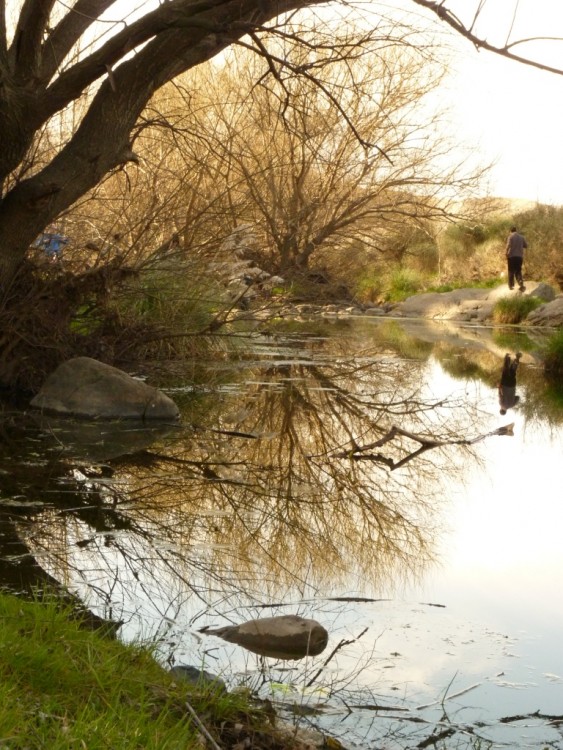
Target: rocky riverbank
[{"x": 467, "y": 305}]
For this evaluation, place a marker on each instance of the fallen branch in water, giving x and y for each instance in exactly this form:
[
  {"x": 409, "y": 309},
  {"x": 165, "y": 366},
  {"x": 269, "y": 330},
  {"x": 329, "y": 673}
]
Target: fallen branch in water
[
  {"x": 449, "y": 697},
  {"x": 433, "y": 739},
  {"x": 550, "y": 718},
  {"x": 359, "y": 453},
  {"x": 334, "y": 651}
]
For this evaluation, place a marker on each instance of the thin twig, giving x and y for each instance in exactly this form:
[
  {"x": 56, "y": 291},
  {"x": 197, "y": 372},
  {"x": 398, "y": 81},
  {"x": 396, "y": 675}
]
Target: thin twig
[
  {"x": 334, "y": 651},
  {"x": 202, "y": 727}
]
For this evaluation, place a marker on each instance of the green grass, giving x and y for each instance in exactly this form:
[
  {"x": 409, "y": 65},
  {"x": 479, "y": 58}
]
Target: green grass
[
  {"x": 514, "y": 309},
  {"x": 64, "y": 687},
  {"x": 452, "y": 285},
  {"x": 86, "y": 320},
  {"x": 403, "y": 283},
  {"x": 553, "y": 356}
]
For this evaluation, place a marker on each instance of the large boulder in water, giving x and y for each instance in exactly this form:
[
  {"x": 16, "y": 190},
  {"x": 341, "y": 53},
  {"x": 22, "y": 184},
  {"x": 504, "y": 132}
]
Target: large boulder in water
[
  {"x": 84, "y": 387},
  {"x": 285, "y": 637}
]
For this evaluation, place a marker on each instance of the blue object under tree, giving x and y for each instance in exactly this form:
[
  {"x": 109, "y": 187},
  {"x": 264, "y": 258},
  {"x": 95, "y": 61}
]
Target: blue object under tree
[{"x": 51, "y": 243}]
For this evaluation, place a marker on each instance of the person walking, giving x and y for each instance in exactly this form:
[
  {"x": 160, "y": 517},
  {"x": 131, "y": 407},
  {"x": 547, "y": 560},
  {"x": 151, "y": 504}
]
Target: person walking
[{"x": 515, "y": 246}]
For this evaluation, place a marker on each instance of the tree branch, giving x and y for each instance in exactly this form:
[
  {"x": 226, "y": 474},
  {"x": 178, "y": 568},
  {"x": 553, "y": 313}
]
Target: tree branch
[
  {"x": 3, "y": 38},
  {"x": 358, "y": 453},
  {"x": 446, "y": 15},
  {"x": 24, "y": 53},
  {"x": 178, "y": 25},
  {"x": 302, "y": 71},
  {"x": 67, "y": 32}
]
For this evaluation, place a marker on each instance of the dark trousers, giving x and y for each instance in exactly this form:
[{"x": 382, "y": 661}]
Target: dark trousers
[{"x": 515, "y": 270}]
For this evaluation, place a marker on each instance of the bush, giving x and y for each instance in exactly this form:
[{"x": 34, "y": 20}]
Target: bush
[
  {"x": 514, "y": 309},
  {"x": 368, "y": 287},
  {"x": 543, "y": 228},
  {"x": 403, "y": 283}
]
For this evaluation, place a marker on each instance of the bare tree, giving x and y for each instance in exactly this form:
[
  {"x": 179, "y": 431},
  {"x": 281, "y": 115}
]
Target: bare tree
[
  {"x": 474, "y": 23},
  {"x": 295, "y": 168}
]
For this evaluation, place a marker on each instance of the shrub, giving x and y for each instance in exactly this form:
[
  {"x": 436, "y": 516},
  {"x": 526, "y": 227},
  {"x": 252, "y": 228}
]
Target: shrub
[
  {"x": 543, "y": 228},
  {"x": 514, "y": 309},
  {"x": 403, "y": 283},
  {"x": 368, "y": 287}
]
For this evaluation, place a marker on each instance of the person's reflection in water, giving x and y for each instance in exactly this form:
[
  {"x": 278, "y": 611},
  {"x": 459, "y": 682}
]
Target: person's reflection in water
[{"x": 507, "y": 387}]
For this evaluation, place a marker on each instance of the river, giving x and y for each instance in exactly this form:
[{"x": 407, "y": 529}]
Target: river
[{"x": 359, "y": 473}]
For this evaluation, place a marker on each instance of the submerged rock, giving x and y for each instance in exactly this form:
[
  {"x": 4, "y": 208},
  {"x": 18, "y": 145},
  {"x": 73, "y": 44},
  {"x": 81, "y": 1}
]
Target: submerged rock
[
  {"x": 199, "y": 677},
  {"x": 84, "y": 387},
  {"x": 285, "y": 637}
]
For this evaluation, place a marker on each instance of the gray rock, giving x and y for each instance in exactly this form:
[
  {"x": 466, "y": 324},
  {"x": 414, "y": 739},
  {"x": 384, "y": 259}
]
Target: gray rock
[
  {"x": 440, "y": 305},
  {"x": 543, "y": 291},
  {"x": 550, "y": 314},
  {"x": 285, "y": 637},
  {"x": 84, "y": 387},
  {"x": 465, "y": 305},
  {"x": 198, "y": 677},
  {"x": 375, "y": 311}
]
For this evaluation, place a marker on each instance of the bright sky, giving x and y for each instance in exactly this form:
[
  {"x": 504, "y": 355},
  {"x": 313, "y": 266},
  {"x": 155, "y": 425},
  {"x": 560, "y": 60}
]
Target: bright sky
[{"x": 513, "y": 113}]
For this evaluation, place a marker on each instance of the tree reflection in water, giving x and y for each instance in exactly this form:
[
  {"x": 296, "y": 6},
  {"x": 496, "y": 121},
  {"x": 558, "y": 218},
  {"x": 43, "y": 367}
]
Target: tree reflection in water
[{"x": 262, "y": 500}]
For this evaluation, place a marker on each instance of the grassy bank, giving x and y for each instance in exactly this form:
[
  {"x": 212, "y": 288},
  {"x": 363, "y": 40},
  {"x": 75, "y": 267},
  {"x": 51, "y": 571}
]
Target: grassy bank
[
  {"x": 63, "y": 687},
  {"x": 554, "y": 357}
]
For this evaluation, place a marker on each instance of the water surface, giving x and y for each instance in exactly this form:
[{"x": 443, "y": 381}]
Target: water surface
[{"x": 436, "y": 569}]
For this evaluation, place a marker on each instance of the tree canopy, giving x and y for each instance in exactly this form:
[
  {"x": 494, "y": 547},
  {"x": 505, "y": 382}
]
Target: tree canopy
[{"x": 280, "y": 157}]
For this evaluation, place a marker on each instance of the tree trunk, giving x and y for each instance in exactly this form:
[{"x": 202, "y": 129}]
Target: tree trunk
[{"x": 178, "y": 37}]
